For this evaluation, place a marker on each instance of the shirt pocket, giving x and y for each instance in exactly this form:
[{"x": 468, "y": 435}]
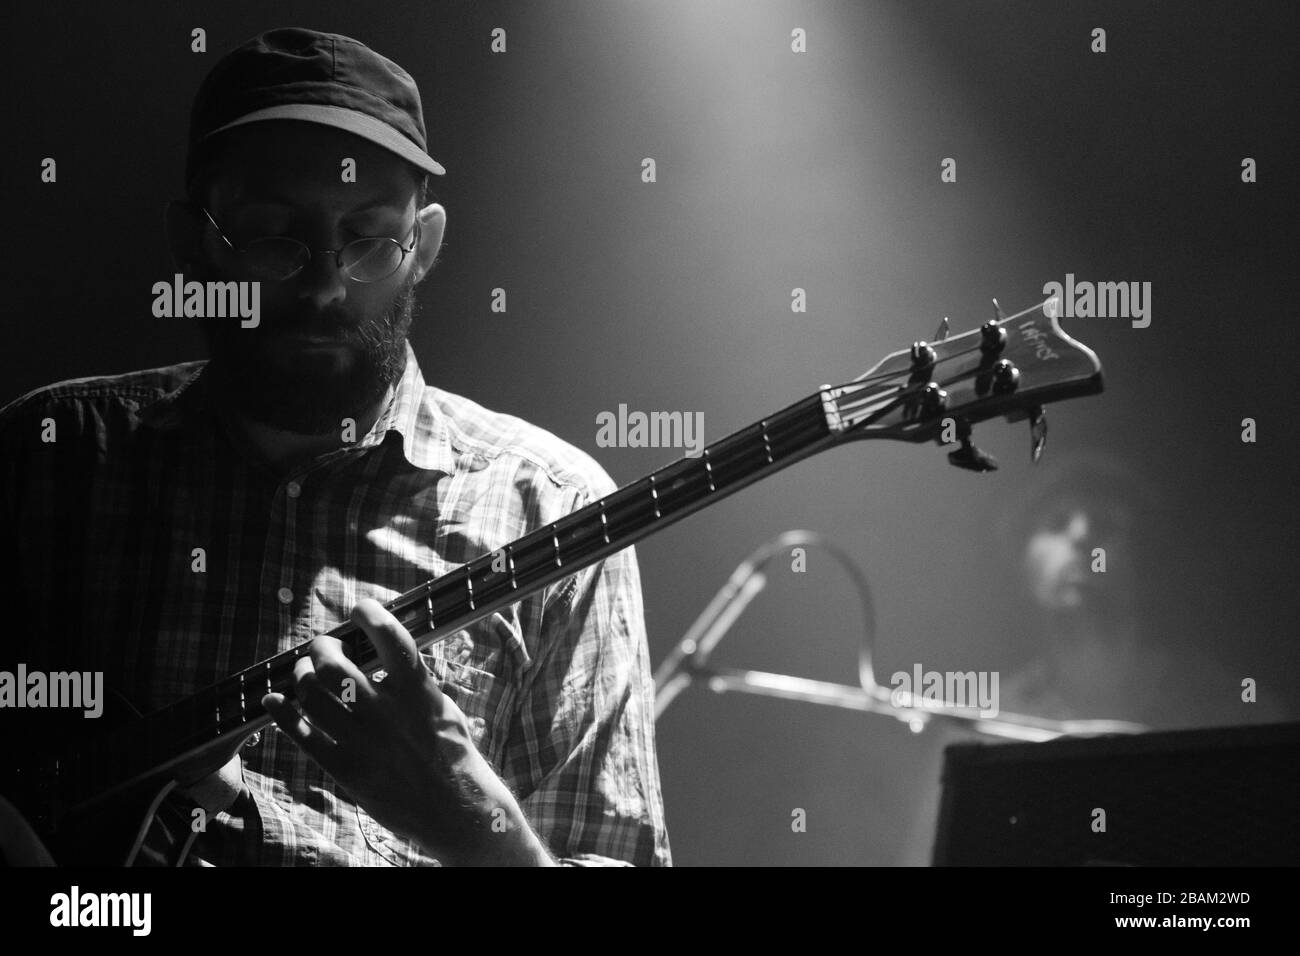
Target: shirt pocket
[{"x": 386, "y": 846}]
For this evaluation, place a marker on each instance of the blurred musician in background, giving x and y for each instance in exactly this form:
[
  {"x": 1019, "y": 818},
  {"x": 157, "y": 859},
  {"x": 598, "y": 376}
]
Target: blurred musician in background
[{"x": 1083, "y": 547}]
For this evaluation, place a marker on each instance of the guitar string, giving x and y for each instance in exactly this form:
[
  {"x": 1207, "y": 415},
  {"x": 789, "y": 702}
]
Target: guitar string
[
  {"x": 997, "y": 322},
  {"x": 948, "y": 358},
  {"x": 906, "y": 391}
]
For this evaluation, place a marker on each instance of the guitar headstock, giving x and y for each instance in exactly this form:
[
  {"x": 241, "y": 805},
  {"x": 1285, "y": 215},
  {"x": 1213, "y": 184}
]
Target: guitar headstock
[{"x": 1010, "y": 366}]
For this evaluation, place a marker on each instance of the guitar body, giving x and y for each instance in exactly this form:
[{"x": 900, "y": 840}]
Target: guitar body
[
  {"x": 19, "y": 844},
  {"x": 41, "y": 820},
  {"x": 104, "y": 835}
]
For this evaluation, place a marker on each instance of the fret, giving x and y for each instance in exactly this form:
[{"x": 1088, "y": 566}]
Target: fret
[
  {"x": 243, "y": 709},
  {"x": 228, "y": 716},
  {"x": 444, "y": 599},
  {"x": 604, "y": 522},
  {"x": 654, "y": 496},
  {"x": 268, "y": 678},
  {"x": 737, "y": 465},
  {"x": 767, "y": 447},
  {"x": 428, "y": 608},
  {"x": 555, "y": 540},
  {"x": 469, "y": 586},
  {"x": 510, "y": 563},
  {"x": 708, "y": 469},
  {"x": 216, "y": 703},
  {"x": 627, "y": 511}
]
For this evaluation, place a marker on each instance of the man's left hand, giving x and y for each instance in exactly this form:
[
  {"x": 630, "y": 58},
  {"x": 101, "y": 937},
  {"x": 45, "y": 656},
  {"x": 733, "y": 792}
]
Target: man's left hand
[{"x": 402, "y": 749}]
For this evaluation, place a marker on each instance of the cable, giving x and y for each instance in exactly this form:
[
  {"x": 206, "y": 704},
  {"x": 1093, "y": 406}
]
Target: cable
[
  {"x": 185, "y": 850},
  {"x": 148, "y": 821}
]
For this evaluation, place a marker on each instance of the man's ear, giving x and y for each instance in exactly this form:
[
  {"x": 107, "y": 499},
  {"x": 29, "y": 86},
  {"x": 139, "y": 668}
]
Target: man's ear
[
  {"x": 184, "y": 235},
  {"x": 433, "y": 221}
]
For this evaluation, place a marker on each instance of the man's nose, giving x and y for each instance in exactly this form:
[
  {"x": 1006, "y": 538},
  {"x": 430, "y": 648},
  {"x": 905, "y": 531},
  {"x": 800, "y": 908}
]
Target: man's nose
[{"x": 322, "y": 281}]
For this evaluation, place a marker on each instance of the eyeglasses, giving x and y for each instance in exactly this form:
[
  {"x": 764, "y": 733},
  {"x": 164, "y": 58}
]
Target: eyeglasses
[{"x": 276, "y": 258}]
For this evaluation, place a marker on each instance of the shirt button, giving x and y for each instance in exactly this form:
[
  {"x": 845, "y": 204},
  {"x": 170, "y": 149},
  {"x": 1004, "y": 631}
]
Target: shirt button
[
  {"x": 293, "y": 489},
  {"x": 285, "y": 596}
]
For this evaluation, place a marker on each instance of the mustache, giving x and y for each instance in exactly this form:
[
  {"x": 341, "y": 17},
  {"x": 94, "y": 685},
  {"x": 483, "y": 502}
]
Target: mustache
[
  {"x": 306, "y": 319},
  {"x": 373, "y": 335},
  {"x": 311, "y": 321},
  {"x": 328, "y": 324}
]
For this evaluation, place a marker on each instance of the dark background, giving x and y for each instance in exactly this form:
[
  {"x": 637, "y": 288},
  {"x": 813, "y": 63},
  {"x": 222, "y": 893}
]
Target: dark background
[{"x": 776, "y": 170}]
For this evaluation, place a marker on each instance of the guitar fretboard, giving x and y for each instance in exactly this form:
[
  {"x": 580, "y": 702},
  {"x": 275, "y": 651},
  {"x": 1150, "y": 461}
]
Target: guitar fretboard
[{"x": 445, "y": 605}]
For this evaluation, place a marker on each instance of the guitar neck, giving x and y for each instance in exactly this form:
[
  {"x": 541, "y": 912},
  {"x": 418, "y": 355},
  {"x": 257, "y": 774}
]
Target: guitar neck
[
  {"x": 445, "y": 605},
  {"x": 1008, "y": 367}
]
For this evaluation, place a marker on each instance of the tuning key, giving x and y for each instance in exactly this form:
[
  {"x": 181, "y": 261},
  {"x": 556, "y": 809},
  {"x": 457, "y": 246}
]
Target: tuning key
[
  {"x": 969, "y": 456},
  {"x": 998, "y": 310},
  {"x": 942, "y": 332},
  {"x": 992, "y": 337},
  {"x": 1037, "y": 432},
  {"x": 933, "y": 399},
  {"x": 1005, "y": 376},
  {"x": 972, "y": 459}
]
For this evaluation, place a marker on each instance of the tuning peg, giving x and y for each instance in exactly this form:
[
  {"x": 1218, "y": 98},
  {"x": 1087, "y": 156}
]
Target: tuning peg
[
  {"x": 1005, "y": 377},
  {"x": 968, "y": 456},
  {"x": 998, "y": 310},
  {"x": 1037, "y": 432},
  {"x": 992, "y": 337},
  {"x": 933, "y": 399},
  {"x": 942, "y": 333}
]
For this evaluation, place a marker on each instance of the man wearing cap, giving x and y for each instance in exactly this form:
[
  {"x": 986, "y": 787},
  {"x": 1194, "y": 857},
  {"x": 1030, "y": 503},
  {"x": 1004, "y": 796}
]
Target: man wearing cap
[{"x": 190, "y": 521}]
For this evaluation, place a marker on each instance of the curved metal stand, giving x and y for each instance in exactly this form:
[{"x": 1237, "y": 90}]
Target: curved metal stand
[{"x": 689, "y": 662}]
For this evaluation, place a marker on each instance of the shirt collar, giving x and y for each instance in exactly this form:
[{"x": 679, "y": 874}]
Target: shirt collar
[
  {"x": 415, "y": 417},
  {"x": 411, "y": 414}
]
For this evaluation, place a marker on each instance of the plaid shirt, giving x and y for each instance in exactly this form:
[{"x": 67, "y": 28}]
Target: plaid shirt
[{"x": 107, "y": 574}]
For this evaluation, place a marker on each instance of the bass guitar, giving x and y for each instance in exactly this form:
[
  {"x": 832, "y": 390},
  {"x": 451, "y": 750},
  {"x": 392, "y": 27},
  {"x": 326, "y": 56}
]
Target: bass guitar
[{"x": 933, "y": 391}]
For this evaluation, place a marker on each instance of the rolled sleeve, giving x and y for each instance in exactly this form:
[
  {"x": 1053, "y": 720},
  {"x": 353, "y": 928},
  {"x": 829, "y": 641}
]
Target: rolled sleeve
[{"x": 581, "y": 751}]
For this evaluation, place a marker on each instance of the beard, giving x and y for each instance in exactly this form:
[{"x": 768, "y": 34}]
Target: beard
[{"x": 266, "y": 375}]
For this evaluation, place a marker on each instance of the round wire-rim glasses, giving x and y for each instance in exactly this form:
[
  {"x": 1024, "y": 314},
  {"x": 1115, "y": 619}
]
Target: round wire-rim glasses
[{"x": 277, "y": 258}]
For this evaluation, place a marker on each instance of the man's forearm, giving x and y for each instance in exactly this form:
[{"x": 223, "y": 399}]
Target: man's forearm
[
  {"x": 497, "y": 834},
  {"x": 515, "y": 845}
]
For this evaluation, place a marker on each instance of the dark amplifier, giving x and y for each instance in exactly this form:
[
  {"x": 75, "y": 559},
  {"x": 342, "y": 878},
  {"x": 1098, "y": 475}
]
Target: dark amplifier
[{"x": 1217, "y": 797}]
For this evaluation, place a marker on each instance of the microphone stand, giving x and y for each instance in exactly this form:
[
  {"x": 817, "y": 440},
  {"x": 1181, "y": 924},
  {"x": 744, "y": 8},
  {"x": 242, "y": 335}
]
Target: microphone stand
[{"x": 688, "y": 662}]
